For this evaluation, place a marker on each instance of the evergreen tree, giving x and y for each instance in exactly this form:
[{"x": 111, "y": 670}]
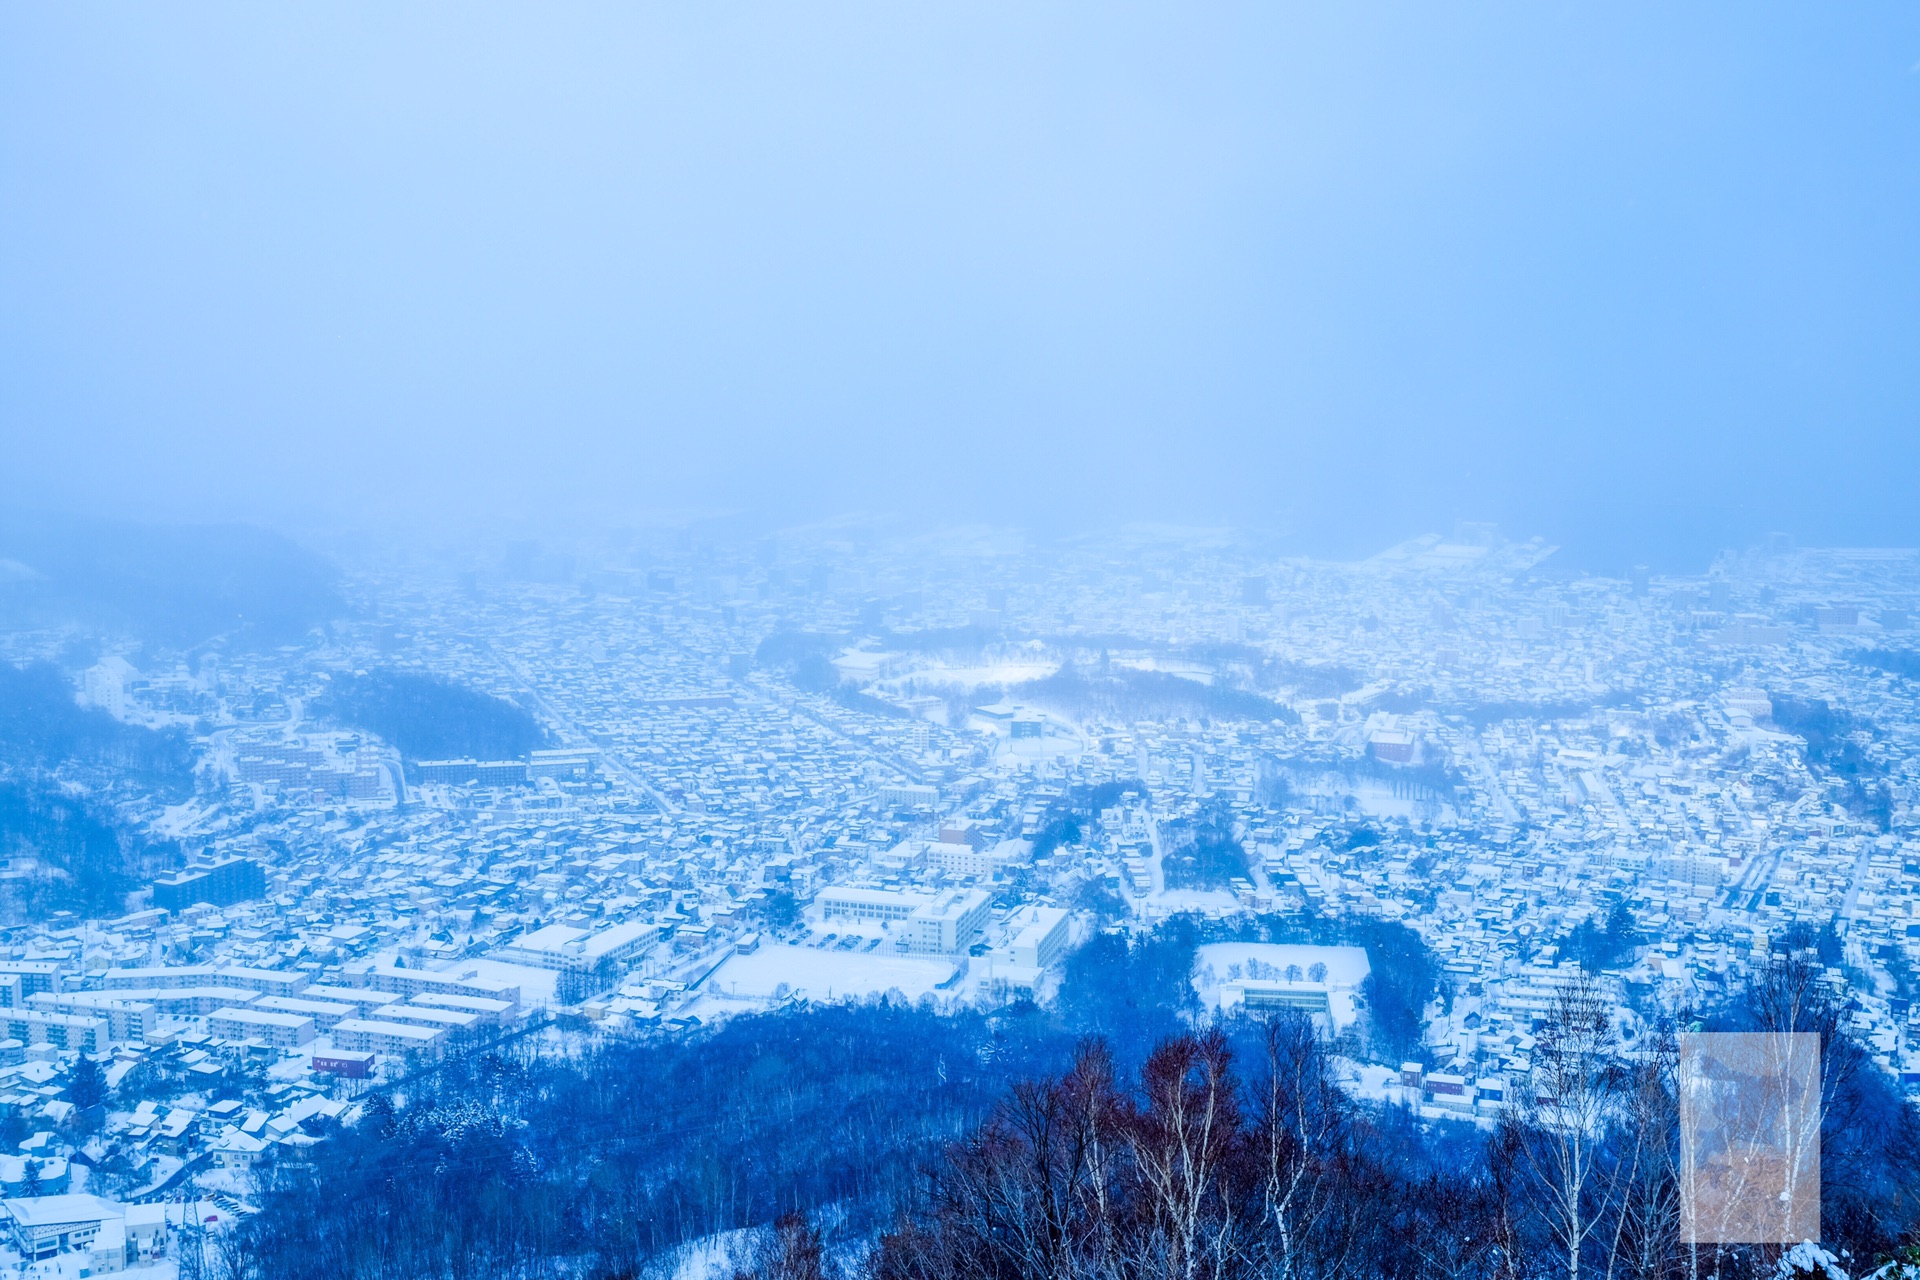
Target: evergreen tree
[{"x": 88, "y": 1087}]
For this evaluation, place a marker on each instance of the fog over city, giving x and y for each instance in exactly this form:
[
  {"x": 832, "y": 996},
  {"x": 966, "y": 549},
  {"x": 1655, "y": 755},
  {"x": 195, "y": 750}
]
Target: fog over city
[
  {"x": 1346, "y": 275},
  {"x": 960, "y": 642}
]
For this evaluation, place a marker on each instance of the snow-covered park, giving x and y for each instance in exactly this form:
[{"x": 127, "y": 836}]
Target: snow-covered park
[
  {"x": 1314, "y": 978},
  {"x": 776, "y": 972}
]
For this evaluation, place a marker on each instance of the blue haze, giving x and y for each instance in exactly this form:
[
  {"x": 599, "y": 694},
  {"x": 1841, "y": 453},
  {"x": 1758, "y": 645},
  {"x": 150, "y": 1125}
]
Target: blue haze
[{"x": 1640, "y": 279}]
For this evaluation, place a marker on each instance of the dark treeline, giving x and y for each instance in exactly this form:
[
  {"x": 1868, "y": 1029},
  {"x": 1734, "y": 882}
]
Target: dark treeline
[
  {"x": 857, "y": 700},
  {"x": 427, "y": 718},
  {"x": 804, "y": 657},
  {"x": 502, "y": 1161},
  {"x": 1202, "y": 852},
  {"x": 969, "y": 641},
  {"x": 1302, "y": 679},
  {"x": 1895, "y": 662},
  {"x": 1602, "y": 945},
  {"x": 1078, "y": 691},
  {"x": 1233, "y": 1152},
  {"x": 1067, "y": 818},
  {"x": 1113, "y": 1136},
  {"x": 1482, "y": 714},
  {"x": 1123, "y": 695},
  {"x": 1307, "y": 679},
  {"x": 501, "y": 1164},
  {"x": 1432, "y": 778},
  {"x": 1136, "y": 990}
]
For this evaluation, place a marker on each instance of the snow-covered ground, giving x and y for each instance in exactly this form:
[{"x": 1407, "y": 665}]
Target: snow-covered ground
[
  {"x": 1171, "y": 902},
  {"x": 714, "y": 1257},
  {"x": 74, "y": 1266},
  {"x": 1219, "y": 964},
  {"x": 1346, "y": 966},
  {"x": 1368, "y": 1081},
  {"x": 775, "y": 971},
  {"x": 1000, "y": 673},
  {"x": 536, "y": 984}
]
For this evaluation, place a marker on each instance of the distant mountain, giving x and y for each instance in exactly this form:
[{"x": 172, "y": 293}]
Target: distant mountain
[{"x": 170, "y": 584}]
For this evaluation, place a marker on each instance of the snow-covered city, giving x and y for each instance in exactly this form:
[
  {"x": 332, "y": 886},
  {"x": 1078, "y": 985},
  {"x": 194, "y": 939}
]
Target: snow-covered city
[{"x": 839, "y": 770}]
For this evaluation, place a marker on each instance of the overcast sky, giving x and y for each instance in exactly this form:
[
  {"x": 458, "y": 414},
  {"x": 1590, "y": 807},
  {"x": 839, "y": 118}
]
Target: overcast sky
[{"x": 1596, "y": 271}]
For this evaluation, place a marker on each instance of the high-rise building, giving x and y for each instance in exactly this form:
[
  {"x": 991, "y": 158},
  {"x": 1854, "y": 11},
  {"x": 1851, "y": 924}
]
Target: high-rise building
[{"x": 222, "y": 883}]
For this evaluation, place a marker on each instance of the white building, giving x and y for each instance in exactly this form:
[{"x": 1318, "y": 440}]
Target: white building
[
  {"x": 326, "y": 1014},
  {"x": 928, "y": 923},
  {"x": 882, "y": 905},
  {"x": 413, "y": 982},
  {"x": 104, "y": 685},
  {"x": 268, "y": 982},
  {"x": 281, "y": 1030},
  {"x": 126, "y": 1019},
  {"x": 451, "y": 1021},
  {"x": 45, "y": 1227},
  {"x": 1038, "y": 935},
  {"x": 909, "y": 796},
  {"x": 491, "y": 1013},
  {"x": 604, "y": 953},
  {"x": 364, "y": 1035},
  {"x": 949, "y": 924},
  {"x": 64, "y": 1030}
]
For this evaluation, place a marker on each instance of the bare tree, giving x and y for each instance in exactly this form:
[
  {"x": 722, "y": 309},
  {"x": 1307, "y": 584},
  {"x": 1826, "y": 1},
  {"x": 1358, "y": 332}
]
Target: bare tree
[
  {"x": 1771, "y": 1092},
  {"x": 1038, "y": 1192},
  {"x": 1570, "y": 1103},
  {"x": 232, "y": 1258},
  {"x": 1507, "y": 1179},
  {"x": 792, "y": 1250},
  {"x": 1299, "y": 1118},
  {"x": 1645, "y": 1239},
  {"x": 1787, "y": 996},
  {"x": 1183, "y": 1143}
]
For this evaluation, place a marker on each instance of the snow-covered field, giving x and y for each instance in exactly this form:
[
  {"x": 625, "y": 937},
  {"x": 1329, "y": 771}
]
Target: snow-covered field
[
  {"x": 1000, "y": 673},
  {"x": 775, "y": 971},
  {"x": 1220, "y": 963},
  {"x": 1197, "y": 672},
  {"x": 1169, "y": 902},
  {"x": 536, "y": 985},
  {"x": 1215, "y": 963},
  {"x": 714, "y": 1257},
  {"x": 1367, "y": 1081}
]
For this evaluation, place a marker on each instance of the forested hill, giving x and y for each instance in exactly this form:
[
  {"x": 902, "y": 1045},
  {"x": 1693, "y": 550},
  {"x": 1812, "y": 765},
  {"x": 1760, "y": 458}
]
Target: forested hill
[
  {"x": 603, "y": 1160},
  {"x": 66, "y": 854},
  {"x": 428, "y": 718},
  {"x": 42, "y": 728},
  {"x": 1022, "y": 1143},
  {"x": 68, "y": 849},
  {"x": 174, "y": 585}
]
